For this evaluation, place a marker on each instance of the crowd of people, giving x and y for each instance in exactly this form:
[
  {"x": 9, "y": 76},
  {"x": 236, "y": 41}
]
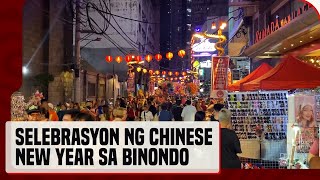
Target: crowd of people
[
  {"x": 147, "y": 110},
  {"x": 174, "y": 109}
]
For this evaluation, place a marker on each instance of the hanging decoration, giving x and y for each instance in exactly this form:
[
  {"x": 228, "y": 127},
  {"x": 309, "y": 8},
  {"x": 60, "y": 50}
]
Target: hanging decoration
[
  {"x": 158, "y": 57},
  {"x": 138, "y": 69},
  {"x": 192, "y": 88},
  {"x": 157, "y": 72},
  {"x": 17, "y": 107},
  {"x": 169, "y": 55},
  {"x": 67, "y": 80},
  {"x": 138, "y": 58},
  {"x": 170, "y": 73},
  {"x": 119, "y": 59},
  {"x": 184, "y": 73},
  {"x": 148, "y": 58},
  {"x": 144, "y": 71},
  {"x": 164, "y": 72},
  {"x": 151, "y": 72},
  {"x": 182, "y": 53},
  {"x": 109, "y": 59},
  {"x": 176, "y": 73},
  {"x": 128, "y": 58}
]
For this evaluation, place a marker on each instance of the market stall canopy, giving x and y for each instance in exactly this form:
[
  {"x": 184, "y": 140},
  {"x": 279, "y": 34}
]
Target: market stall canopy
[
  {"x": 261, "y": 70},
  {"x": 291, "y": 73}
]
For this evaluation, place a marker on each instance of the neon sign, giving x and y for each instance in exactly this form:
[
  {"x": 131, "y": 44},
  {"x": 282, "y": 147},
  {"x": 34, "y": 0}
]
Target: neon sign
[{"x": 204, "y": 46}]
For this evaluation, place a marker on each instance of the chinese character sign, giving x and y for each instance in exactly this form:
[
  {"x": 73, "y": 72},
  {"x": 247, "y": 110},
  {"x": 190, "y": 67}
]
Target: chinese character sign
[
  {"x": 130, "y": 83},
  {"x": 219, "y": 76}
]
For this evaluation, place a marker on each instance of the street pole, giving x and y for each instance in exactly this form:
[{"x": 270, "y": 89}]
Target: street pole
[
  {"x": 77, "y": 85},
  {"x": 113, "y": 84}
]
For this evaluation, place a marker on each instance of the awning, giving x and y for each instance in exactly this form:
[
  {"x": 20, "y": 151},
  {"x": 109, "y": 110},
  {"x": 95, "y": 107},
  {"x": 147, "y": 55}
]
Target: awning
[{"x": 304, "y": 22}]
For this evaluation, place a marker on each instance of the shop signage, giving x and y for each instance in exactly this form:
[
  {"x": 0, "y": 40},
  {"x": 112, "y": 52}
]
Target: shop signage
[
  {"x": 130, "y": 83},
  {"x": 204, "y": 46},
  {"x": 219, "y": 76},
  {"x": 274, "y": 26},
  {"x": 205, "y": 64}
]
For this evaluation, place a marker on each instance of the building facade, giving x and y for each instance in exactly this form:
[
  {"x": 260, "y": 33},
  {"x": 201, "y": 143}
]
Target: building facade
[
  {"x": 128, "y": 28},
  {"x": 175, "y": 32},
  {"x": 47, "y": 48},
  {"x": 277, "y": 30}
]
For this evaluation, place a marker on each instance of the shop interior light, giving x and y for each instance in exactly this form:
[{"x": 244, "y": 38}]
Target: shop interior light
[
  {"x": 223, "y": 25},
  {"x": 213, "y": 25},
  {"x": 301, "y": 41},
  {"x": 292, "y": 45},
  {"x": 284, "y": 48},
  {"x": 311, "y": 37}
]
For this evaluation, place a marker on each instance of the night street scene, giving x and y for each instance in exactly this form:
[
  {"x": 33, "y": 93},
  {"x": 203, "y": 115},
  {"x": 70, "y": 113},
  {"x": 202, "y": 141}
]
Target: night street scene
[{"x": 251, "y": 65}]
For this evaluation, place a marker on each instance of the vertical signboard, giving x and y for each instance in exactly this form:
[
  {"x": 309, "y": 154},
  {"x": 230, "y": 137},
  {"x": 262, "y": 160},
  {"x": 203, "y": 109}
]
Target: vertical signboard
[
  {"x": 219, "y": 76},
  {"x": 130, "y": 82}
]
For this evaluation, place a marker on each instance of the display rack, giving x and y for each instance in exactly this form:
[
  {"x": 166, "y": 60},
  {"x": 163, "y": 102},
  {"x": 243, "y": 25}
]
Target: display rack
[
  {"x": 317, "y": 108},
  {"x": 267, "y": 109}
]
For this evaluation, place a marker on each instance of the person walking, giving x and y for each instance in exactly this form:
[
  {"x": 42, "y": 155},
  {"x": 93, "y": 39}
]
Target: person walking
[
  {"x": 164, "y": 114},
  {"x": 177, "y": 111},
  {"x": 146, "y": 115},
  {"x": 230, "y": 144},
  {"x": 188, "y": 112}
]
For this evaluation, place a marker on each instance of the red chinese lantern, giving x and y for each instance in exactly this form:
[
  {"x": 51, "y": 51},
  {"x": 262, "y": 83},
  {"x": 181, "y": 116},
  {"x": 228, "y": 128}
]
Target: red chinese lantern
[
  {"x": 109, "y": 59},
  {"x": 157, "y": 72},
  {"x": 175, "y": 79},
  {"x": 148, "y": 58},
  {"x": 181, "y": 53},
  {"x": 171, "y": 79},
  {"x": 169, "y": 55},
  {"x": 176, "y": 73},
  {"x": 151, "y": 72},
  {"x": 184, "y": 73},
  {"x": 164, "y": 73},
  {"x": 158, "y": 57},
  {"x": 170, "y": 73},
  {"x": 138, "y": 58},
  {"x": 119, "y": 59},
  {"x": 128, "y": 58}
]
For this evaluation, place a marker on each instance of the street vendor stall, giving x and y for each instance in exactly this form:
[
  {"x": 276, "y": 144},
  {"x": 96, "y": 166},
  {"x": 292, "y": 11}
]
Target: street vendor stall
[{"x": 265, "y": 120}]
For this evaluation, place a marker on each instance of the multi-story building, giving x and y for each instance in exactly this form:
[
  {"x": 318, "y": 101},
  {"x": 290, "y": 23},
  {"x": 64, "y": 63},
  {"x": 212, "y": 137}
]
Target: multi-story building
[
  {"x": 175, "y": 31},
  {"x": 201, "y": 9},
  {"x": 47, "y": 48},
  {"x": 130, "y": 27},
  {"x": 281, "y": 27}
]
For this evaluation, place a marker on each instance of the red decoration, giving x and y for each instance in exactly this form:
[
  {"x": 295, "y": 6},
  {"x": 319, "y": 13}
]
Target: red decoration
[
  {"x": 138, "y": 58},
  {"x": 164, "y": 73},
  {"x": 158, "y": 57},
  {"x": 176, "y": 73},
  {"x": 149, "y": 58},
  {"x": 119, "y": 59},
  {"x": 181, "y": 53},
  {"x": 184, "y": 73},
  {"x": 169, "y": 55},
  {"x": 151, "y": 72},
  {"x": 109, "y": 59},
  {"x": 128, "y": 58},
  {"x": 170, "y": 73}
]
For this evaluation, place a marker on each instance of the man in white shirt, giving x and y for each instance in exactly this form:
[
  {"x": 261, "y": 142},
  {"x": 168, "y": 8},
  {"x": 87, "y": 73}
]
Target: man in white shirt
[
  {"x": 146, "y": 115},
  {"x": 188, "y": 112}
]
